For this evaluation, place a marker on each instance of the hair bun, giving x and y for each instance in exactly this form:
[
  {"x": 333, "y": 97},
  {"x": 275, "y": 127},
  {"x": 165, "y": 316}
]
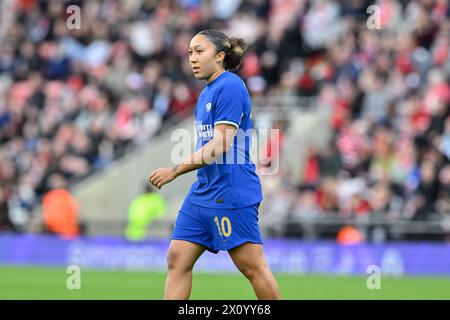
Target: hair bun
[{"x": 234, "y": 58}]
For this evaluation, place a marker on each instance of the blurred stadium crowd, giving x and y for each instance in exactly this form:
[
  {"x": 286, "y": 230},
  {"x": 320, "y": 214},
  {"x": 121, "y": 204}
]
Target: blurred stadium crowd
[{"x": 72, "y": 101}]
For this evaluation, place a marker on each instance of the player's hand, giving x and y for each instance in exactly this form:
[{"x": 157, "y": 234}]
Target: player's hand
[{"x": 161, "y": 176}]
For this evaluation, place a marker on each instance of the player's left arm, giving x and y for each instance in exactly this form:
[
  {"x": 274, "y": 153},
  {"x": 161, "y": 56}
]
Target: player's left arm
[{"x": 216, "y": 147}]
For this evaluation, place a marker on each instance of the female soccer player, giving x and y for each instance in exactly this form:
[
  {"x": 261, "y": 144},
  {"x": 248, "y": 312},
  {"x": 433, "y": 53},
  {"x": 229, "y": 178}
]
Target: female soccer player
[{"x": 220, "y": 211}]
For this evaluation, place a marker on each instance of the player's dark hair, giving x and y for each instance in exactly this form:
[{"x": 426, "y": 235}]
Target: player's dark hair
[{"x": 234, "y": 48}]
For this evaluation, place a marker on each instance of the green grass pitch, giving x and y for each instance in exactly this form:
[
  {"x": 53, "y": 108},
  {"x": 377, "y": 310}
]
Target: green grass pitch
[{"x": 50, "y": 283}]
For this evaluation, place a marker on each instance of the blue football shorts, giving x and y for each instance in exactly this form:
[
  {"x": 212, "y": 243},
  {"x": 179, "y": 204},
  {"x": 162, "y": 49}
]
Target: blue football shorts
[{"x": 217, "y": 229}]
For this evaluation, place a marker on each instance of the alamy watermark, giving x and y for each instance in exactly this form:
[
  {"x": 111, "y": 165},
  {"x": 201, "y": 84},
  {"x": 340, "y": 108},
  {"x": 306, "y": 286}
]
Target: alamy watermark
[
  {"x": 73, "y": 281},
  {"x": 73, "y": 20},
  {"x": 374, "y": 20},
  {"x": 374, "y": 280}
]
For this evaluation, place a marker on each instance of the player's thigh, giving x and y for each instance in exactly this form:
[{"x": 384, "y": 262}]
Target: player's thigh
[
  {"x": 248, "y": 257},
  {"x": 182, "y": 254}
]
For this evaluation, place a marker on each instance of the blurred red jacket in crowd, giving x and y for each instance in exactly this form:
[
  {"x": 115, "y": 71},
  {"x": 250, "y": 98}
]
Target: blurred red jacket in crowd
[{"x": 61, "y": 213}]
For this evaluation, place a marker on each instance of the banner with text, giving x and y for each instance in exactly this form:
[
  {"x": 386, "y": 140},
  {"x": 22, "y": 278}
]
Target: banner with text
[{"x": 283, "y": 255}]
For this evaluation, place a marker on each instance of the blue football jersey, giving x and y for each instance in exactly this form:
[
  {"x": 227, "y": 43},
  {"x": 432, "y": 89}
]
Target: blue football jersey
[{"x": 231, "y": 181}]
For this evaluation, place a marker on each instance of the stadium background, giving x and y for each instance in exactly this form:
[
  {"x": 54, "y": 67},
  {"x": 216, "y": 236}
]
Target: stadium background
[{"x": 363, "y": 117}]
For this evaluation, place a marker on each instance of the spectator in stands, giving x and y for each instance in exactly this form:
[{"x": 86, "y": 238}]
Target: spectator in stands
[
  {"x": 349, "y": 235},
  {"x": 145, "y": 208},
  {"x": 443, "y": 202},
  {"x": 305, "y": 212},
  {"x": 60, "y": 209},
  {"x": 311, "y": 173},
  {"x": 5, "y": 222},
  {"x": 427, "y": 192}
]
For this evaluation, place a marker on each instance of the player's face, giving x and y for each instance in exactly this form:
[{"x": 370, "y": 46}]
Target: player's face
[{"x": 204, "y": 59}]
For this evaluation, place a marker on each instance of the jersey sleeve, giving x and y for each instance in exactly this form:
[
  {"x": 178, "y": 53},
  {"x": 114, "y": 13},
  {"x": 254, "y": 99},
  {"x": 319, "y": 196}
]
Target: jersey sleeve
[{"x": 230, "y": 105}]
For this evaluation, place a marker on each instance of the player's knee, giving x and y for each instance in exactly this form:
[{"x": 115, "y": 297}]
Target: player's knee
[
  {"x": 251, "y": 269},
  {"x": 171, "y": 260},
  {"x": 175, "y": 262}
]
